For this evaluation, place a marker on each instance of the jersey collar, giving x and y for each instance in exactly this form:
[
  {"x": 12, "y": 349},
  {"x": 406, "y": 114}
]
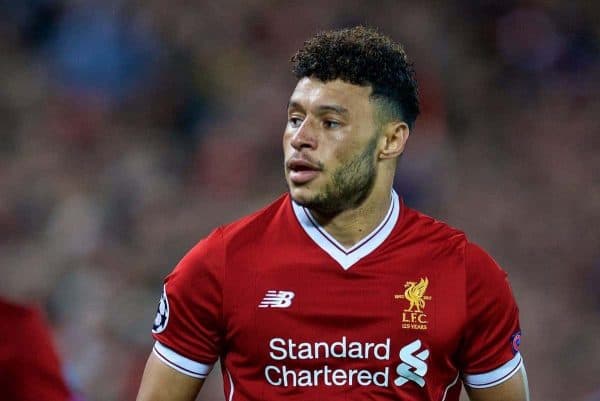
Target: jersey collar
[{"x": 347, "y": 257}]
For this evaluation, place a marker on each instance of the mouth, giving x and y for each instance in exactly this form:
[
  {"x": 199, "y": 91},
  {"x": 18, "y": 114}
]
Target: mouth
[{"x": 302, "y": 171}]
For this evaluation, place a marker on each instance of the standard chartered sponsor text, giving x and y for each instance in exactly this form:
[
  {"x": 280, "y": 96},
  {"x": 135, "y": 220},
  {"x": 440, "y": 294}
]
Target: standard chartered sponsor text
[{"x": 281, "y": 374}]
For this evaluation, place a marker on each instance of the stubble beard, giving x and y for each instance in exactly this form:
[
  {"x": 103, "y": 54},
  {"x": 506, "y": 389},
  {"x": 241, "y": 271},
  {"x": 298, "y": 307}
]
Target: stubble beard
[{"x": 351, "y": 183}]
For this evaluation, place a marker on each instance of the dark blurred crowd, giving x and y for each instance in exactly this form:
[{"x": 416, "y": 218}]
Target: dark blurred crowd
[{"x": 129, "y": 129}]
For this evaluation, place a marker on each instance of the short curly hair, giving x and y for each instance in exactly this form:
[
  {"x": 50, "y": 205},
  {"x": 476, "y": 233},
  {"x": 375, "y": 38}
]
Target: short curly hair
[{"x": 362, "y": 56}]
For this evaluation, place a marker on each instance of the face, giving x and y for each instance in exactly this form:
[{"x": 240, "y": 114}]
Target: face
[{"x": 330, "y": 145}]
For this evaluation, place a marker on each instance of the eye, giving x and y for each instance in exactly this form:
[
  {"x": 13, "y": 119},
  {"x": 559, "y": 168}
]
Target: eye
[
  {"x": 294, "y": 122},
  {"x": 331, "y": 124}
]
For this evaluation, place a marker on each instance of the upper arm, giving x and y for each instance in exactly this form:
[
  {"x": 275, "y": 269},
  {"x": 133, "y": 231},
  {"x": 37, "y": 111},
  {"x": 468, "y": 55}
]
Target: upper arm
[
  {"x": 187, "y": 326},
  {"x": 189, "y": 320},
  {"x": 491, "y": 363},
  {"x": 160, "y": 382},
  {"x": 513, "y": 389},
  {"x": 489, "y": 353}
]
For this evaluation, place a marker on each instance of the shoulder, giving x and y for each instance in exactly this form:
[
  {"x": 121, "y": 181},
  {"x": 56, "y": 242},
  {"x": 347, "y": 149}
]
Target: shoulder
[
  {"x": 248, "y": 227},
  {"x": 23, "y": 324},
  {"x": 426, "y": 231},
  {"x": 211, "y": 250},
  {"x": 10, "y": 308},
  {"x": 442, "y": 239},
  {"x": 18, "y": 316},
  {"x": 486, "y": 282},
  {"x": 480, "y": 265}
]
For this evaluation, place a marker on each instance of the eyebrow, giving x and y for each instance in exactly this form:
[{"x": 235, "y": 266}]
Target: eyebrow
[{"x": 321, "y": 109}]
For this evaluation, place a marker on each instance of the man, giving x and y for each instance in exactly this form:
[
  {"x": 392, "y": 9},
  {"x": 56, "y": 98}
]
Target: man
[
  {"x": 29, "y": 366},
  {"x": 337, "y": 290}
]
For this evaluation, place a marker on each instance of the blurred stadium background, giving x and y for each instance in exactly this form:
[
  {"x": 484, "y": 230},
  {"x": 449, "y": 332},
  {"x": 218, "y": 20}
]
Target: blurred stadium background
[{"x": 129, "y": 129}]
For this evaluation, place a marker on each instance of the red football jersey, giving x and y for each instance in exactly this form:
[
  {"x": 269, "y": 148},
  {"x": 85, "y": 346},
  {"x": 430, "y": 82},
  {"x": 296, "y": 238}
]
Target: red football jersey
[
  {"x": 29, "y": 366},
  {"x": 406, "y": 314}
]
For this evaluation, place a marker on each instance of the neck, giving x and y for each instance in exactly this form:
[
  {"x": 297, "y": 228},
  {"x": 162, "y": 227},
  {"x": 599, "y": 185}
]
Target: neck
[{"x": 350, "y": 226}]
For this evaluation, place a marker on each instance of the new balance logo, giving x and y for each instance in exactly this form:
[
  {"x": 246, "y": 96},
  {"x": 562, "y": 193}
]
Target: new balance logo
[
  {"x": 277, "y": 299},
  {"x": 413, "y": 367}
]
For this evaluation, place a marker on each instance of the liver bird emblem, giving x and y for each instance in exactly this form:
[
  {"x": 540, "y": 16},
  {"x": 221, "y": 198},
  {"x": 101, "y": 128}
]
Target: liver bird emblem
[{"x": 415, "y": 293}]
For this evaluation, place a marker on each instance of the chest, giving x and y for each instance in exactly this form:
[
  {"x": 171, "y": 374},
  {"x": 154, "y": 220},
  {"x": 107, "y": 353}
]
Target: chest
[{"x": 307, "y": 310}]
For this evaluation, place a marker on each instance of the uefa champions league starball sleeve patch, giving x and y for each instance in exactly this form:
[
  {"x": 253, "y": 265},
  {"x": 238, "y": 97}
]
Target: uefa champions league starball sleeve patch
[
  {"x": 515, "y": 340},
  {"x": 162, "y": 313}
]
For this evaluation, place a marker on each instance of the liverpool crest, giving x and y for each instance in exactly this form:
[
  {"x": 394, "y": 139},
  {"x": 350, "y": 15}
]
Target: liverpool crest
[{"x": 414, "y": 316}]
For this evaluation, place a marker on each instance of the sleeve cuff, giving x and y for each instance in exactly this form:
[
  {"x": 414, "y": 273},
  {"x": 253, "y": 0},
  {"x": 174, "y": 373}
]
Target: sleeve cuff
[
  {"x": 180, "y": 363},
  {"x": 496, "y": 376}
]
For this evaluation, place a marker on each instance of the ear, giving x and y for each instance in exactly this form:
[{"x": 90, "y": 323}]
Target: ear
[{"x": 395, "y": 135}]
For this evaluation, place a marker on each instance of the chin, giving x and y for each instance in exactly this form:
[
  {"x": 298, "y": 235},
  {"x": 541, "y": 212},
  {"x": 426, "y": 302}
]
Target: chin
[
  {"x": 301, "y": 195},
  {"x": 298, "y": 195}
]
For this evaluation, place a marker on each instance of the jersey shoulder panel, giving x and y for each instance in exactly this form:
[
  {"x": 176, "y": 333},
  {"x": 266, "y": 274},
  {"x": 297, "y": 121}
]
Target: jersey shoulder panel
[
  {"x": 249, "y": 228},
  {"x": 21, "y": 323},
  {"x": 492, "y": 334},
  {"x": 189, "y": 315},
  {"x": 189, "y": 323},
  {"x": 420, "y": 229},
  {"x": 15, "y": 319},
  {"x": 13, "y": 310},
  {"x": 210, "y": 251},
  {"x": 482, "y": 271}
]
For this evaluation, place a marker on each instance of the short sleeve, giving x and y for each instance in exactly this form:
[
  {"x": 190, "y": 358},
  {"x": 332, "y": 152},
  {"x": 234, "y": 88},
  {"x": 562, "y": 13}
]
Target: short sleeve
[
  {"x": 490, "y": 348},
  {"x": 188, "y": 323}
]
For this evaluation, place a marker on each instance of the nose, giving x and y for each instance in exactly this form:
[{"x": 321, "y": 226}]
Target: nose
[{"x": 304, "y": 136}]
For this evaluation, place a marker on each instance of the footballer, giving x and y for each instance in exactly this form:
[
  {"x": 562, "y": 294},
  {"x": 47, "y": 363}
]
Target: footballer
[{"x": 338, "y": 290}]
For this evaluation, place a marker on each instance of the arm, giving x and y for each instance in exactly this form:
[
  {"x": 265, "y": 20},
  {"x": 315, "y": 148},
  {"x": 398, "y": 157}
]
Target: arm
[
  {"x": 514, "y": 389},
  {"x": 187, "y": 327},
  {"x": 492, "y": 364},
  {"x": 163, "y": 383}
]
